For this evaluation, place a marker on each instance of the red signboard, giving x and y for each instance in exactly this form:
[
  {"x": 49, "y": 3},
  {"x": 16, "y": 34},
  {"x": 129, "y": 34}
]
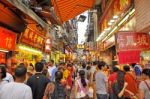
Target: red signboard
[
  {"x": 48, "y": 45},
  {"x": 128, "y": 57},
  {"x": 7, "y": 39},
  {"x": 132, "y": 41},
  {"x": 2, "y": 57},
  {"x": 33, "y": 39}
]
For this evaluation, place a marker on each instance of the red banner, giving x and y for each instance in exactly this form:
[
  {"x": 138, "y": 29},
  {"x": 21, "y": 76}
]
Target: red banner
[
  {"x": 7, "y": 39},
  {"x": 2, "y": 57},
  {"x": 132, "y": 41},
  {"x": 33, "y": 39},
  {"x": 128, "y": 57}
]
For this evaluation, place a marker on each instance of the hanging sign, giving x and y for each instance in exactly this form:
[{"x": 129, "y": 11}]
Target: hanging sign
[
  {"x": 48, "y": 45},
  {"x": 33, "y": 39},
  {"x": 132, "y": 41},
  {"x": 7, "y": 39}
]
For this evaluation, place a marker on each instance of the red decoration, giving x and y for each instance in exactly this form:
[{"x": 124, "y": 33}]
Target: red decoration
[
  {"x": 132, "y": 41},
  {"x": 7, "y": 39},
  {"x": 128, "y": 57}
]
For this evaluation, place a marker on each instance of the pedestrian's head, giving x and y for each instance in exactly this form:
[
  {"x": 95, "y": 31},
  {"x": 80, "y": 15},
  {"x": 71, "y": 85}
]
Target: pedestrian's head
[
  {"x": 69, "y": 66},
  {"x": 51, "y": 62},
  {"x": 102, "y": 65},
  {"x": 20, "y": 72},
  {"x": 146, "y": 73},
  {"x": 2, "y": 71},
  {"x": 83, "y": 65},
  {"x": 82, "y": 76},
  {"x": 126, "y": 68},
  {"x": 120, "y": 78},
  {"x": 39, "y": 67},
  {"x": 115, "y": 69},
  {"x": 58, "y": 76}
]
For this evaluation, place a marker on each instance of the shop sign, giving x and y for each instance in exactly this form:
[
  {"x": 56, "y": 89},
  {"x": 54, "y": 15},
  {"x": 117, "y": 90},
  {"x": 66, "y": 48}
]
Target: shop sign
[
  {"x": 128, "y": 57},
  {"x": 80, "y": 46},
  {"x": 117, "y": 7},
  {"x": 48, "y": 45},
  {"x": 7, "y": 39},
  {"x": 33, "y": 39},
  {"x": 132, "y": 41},
  {"x": 2, "y": 57}
]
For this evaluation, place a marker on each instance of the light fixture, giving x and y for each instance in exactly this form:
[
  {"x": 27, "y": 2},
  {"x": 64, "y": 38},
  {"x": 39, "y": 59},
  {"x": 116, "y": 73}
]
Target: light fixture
[
  {"x": 123, "y": 20},
  {"x": 107, "y": 29},
  {"x": 112, "y": 20},
  {"x": 109, "y": 23},
  {"x": 115, "y": 17},
  {"x": 29, "y": 49},
  {"x": 133, "y": 10},
  {"x": 3, "y": 51}
]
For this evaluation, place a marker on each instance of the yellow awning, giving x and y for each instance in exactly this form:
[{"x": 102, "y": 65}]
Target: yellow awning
[{"x": 68, "y": 9}]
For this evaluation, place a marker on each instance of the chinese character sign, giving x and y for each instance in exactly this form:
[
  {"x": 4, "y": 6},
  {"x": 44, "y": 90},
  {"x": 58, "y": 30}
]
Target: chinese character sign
[
  {"x": 7, "y": 39},
  {"x": 32, "y": 38},
  {"x": 48, "y": 45},
  {"x": 132, "y": 41}
]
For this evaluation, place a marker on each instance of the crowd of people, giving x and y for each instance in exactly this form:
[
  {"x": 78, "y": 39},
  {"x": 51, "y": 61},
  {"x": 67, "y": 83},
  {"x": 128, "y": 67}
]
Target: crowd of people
[{"x": 91, "y": 80}]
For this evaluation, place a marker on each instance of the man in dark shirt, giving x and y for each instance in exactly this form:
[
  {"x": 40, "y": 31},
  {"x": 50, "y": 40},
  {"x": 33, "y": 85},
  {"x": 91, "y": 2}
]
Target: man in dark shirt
[{"x": 38, "y": 82}]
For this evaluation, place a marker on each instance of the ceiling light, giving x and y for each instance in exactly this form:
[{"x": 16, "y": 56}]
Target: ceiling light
[
  {"x": 133, "y": 10},
  {"x": 4, "y": 51},
  {"x": 123, "y": 20},
  {"x": 115, "y": 17},
  {"x": 107, "y": 29},
  {"x": 112, "y": 20},
  {"x": 109, "y": 23}
]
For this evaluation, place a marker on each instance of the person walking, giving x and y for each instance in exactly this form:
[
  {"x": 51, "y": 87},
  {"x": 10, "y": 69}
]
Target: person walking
[
  {"x": 132, "y": 88},
  {"x": 38, "y": 81},
  {"x": 81, "y": 86},
  {"x": 55, "y": 90},
  {"x": 17, "y": 89},
  {"x": 144, "y": 87},
  {"x": 101, "y": 81},
  {"x": 2, "y": 76}
]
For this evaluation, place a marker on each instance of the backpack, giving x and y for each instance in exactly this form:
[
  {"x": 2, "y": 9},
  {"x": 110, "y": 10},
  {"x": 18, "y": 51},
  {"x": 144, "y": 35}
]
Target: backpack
[{"x": 59, "y": 92}]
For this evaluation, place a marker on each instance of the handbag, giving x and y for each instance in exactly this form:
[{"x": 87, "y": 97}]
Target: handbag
[{"x": 80, "y": 94}]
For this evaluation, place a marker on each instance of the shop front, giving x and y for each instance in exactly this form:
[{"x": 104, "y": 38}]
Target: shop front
[
  {"x": 7, "y": 46},
  {"x": 31, "y": 46}
]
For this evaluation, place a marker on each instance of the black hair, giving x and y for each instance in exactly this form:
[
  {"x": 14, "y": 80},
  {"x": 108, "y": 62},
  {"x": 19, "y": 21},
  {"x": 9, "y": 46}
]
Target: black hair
[
  {"x": 133, "y": 65},
  {"x": 115, "y": 69},
  {"x": 101, "y": 64},
  {"x": 120, "y": 79},
  {"x": 20, "y": 71},
  {"x": 69, "y": 65},
  {"x": 82, "y": 76},
  {"x": 3, "y": 69},
  {"x": 58, "y": 76},
  {"x": 21, "y": 64},
  {"x": 94, "y": 63},
  {"x": 39, "y": 67},
  {"x": 146, "y": 72},
  {"x": 88, "y": 67},
  {"x": 126, "y": 68},
  {"x": 83, "y": 65}
]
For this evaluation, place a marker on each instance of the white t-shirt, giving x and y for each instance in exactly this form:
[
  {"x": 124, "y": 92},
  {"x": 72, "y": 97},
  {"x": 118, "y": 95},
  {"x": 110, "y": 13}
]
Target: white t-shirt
[
  {"x": 9, "y": 78},
  {"x": 15, "y": 90},
  {"x": 50, "y": 69}
]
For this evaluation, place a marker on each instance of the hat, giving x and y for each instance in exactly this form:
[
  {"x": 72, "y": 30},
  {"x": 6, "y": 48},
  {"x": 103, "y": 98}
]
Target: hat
[{"x": 30, "y": 69}]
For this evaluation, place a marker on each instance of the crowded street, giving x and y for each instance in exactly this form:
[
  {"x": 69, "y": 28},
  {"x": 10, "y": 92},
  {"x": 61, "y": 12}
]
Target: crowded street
[{"x": 74, "y": 49}]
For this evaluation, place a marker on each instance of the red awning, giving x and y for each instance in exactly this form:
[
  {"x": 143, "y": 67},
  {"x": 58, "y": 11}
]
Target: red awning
[{"x": 68, "y": 9}]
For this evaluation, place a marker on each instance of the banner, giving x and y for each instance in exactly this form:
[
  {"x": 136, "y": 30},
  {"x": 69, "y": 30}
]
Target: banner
[
  {"x": 126, "y": 41},
  {"x": 7, "y": 39}
]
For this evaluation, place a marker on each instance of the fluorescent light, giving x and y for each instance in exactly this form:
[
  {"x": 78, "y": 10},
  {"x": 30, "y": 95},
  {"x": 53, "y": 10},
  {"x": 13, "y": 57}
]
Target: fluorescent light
[
  {"x": 4, "y": 51},
  {"x": 112, "y": 20},
  {"x": 123, "y": 20},
  {"x": 107, "y": 29},
  {"x": 115, "y": 17},
  {"x": 109, "y": 23},
  {"x": 100, "y": 36},
  {"x": 29, "y": 49},
  {"x": 133, "y": 10}
]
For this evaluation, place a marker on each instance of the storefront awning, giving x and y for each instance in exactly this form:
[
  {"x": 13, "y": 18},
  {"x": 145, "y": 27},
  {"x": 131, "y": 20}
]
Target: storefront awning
[{"x": 68, "y": 9}]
